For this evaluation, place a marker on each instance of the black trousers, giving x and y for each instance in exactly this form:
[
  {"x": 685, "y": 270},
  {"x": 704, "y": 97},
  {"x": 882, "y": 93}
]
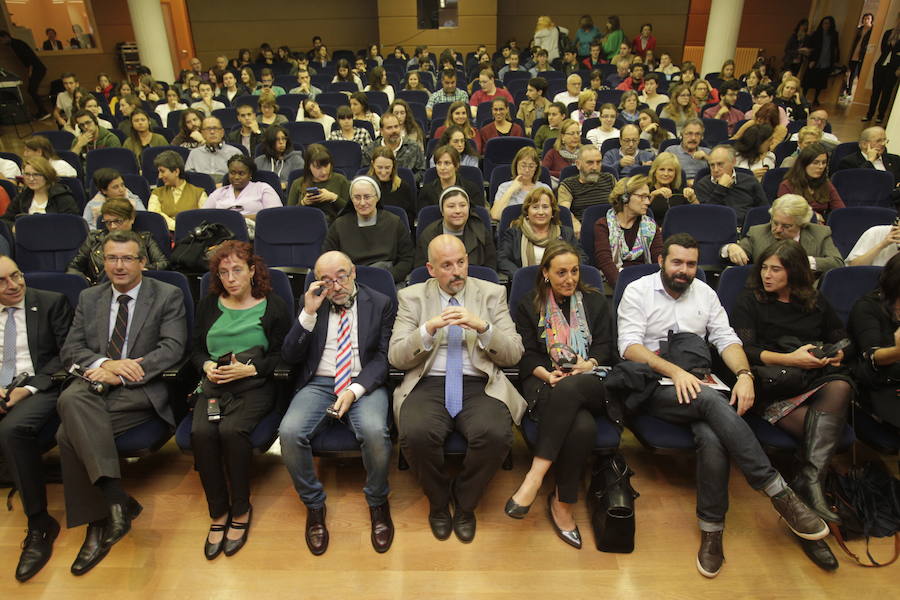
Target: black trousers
[
  {"x": 883, "y": 81},
  {"x": 19, "y": 431},
  {"x": 567, "y": 427},
  {"x": 34, "y": 82},
  {"x": 223, "y": 452},
  {"x": 87, "y": 443},
  {"x": 424, "y": 425}
]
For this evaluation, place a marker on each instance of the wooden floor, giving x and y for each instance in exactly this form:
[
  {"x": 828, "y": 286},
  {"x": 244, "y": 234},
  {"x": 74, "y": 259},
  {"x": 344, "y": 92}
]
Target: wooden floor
[{"x": 162, "y": 557}]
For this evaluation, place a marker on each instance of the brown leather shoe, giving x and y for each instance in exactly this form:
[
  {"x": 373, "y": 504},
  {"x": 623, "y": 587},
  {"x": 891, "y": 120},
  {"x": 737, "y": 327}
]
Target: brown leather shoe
[
  {"x": 798, "y": 516},
  {"x": 316, "y": 532},
  {"x": 710, "y": 556},
  {"x": 382, "y": 527}
]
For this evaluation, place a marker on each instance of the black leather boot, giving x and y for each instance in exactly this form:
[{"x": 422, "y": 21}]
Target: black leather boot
[{"x": 822, "y": 433}]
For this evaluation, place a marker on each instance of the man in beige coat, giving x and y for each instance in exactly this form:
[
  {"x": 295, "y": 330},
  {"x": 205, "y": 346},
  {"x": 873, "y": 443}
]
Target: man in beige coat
[{"x": 452, "y": 335}]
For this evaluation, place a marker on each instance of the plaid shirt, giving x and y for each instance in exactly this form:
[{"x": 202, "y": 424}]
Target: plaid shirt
[
  {"x": 440, "y": 96},
  {"x": 360, "y": 136}
]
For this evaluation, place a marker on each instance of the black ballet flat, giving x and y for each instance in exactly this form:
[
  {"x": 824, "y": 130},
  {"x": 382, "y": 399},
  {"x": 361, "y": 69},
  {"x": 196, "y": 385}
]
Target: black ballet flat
[{"x": 232, "y": 546}]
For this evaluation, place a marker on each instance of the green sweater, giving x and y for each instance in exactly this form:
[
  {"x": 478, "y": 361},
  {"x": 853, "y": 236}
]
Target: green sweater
[{"x": 337, "y": 183}]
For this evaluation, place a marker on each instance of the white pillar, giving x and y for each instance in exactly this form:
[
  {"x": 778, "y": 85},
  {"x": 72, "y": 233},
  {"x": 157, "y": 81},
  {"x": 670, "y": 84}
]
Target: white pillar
[
  {"x": 721, "y": 34},
  {"x": 151, "y": 37},
  {"x": 892, "y": 127}
]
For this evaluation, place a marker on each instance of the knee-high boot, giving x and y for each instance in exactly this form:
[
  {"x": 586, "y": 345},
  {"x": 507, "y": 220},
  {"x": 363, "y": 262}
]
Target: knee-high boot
[{"x": 822, "y": 432}]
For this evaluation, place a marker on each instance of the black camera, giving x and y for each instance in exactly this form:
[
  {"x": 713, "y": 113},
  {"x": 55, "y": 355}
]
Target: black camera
[
  {"x": 97, "y": 387},
  {"x": 18, "y": 381}
]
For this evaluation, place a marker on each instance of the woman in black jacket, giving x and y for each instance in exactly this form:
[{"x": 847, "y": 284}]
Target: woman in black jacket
[
  {"x": 782, "y": 320},
  {"x": 446, "y": 163},
  {"x": 42, "y": 193},
  {"x": 527, "y": 238},
  {"x": 457, "y": 219},
  {"x": 566, "y": 329},
  {"x": 875, "y": 330},
  {"x": 394, "y": 191},
  {"x": 117, "y": 215},
  {"x": 823, "y": 56},
  {"x": 237, "y": 341},
  {"x": 884, "y": 75},
  {"x": 369, "y": 235}
]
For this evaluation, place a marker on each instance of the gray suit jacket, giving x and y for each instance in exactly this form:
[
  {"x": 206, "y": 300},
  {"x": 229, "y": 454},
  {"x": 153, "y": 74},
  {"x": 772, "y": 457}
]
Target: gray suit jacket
[
  {"x": 158, "y": 333},
  {"x": 814, "y": 238},
  {"x": 422, "y": 301}
]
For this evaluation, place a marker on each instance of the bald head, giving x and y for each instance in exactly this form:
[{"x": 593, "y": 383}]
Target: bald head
[
  {"x": 448, "y": 263},
  {"x": 334, "y": 259},
  {"x": 336, "y": 270}
]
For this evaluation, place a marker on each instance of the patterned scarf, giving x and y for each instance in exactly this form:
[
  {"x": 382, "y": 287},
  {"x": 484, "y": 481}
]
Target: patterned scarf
[
  {"x": 620, "y": 250},
  {"x": 557, "y": 330}
]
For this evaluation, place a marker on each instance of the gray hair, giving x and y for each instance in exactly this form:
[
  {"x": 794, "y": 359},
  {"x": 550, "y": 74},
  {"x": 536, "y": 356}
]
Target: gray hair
[{"x": 793, "y": 205}]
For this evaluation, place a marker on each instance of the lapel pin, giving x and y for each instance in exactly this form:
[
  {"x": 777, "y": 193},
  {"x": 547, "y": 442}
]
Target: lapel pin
[{"x": 34, "y": 308}]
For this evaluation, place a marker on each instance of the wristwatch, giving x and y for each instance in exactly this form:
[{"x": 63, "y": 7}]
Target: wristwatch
[{"x": 746, "y": 372}]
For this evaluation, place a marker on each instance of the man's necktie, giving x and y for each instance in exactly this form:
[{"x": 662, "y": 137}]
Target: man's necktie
[
  {"x": 344, "y": 357},
  {"x": 8, "y": 370},
  {"x": 117, "y": 339},
  {"x": 454, "y": 374}
]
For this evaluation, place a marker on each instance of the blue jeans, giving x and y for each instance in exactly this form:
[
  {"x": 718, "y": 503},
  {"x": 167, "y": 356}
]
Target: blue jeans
[
  {"x": 719, "y": 433},
  {"x": 306, "y": 417}
]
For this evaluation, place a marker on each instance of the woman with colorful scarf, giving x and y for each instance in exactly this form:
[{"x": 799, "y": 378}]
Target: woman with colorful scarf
[
  {"x": 627, "y": 235},
  {"x": 527, "y": 238},
  {"x": 566, "y": 329}
]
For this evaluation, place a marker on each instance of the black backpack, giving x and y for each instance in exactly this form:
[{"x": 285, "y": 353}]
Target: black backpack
[
  {"x": 191, "y": 253},
  {"x": 565, "y": 44}
]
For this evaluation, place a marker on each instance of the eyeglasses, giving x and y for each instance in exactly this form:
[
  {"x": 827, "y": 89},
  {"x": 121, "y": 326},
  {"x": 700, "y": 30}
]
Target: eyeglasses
[
  {"x": 15, "y": 277},
  {"x": 341, "y": 280},
  {"x": 780, "y": 225},
  {"x": 115, "y": 222},
  {"x": 235, "y": 273},
  {"x": 641, "y": 196},
  {"x": 28, "y": 174},
  {"x": 363, "y": 198},
  {"x": 125, "y": 260}
]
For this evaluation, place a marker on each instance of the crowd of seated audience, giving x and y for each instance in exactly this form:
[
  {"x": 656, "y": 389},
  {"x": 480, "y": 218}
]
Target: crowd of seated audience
[{"x": 649, "y": 147}]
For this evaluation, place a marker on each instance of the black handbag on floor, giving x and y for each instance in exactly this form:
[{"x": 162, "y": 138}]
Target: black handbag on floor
[
  {"x": 867, "y": 499},
  {"x": 611, "y": 502}
]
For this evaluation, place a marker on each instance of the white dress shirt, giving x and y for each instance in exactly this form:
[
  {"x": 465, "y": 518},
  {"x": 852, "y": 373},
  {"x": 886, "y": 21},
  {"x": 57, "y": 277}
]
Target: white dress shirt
[
  {"x": 24, "y": 363},
  {"x": 647, "y": 312},
  {"x": 328, "y": 362},
  {"x": 113, "y": 315},
  {"x": 439, "y": 366}
]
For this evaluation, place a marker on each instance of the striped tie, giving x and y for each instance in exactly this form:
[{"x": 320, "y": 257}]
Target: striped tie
[
  {"x": 8, "y": 370},
  {"x": 117, "y": 339},
  {"x": 344, "y": 357}
]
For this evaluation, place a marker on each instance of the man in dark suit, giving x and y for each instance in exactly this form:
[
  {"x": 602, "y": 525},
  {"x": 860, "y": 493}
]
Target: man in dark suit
[
  {"x": 740, "y": 191},
  {"x": 872, "y": 154},
  {"x": 34, "y": 324},
  {"x": 340, "y": 346},
  {"x": 452, "y": 335},
  {"x": 126, "y": 332}
]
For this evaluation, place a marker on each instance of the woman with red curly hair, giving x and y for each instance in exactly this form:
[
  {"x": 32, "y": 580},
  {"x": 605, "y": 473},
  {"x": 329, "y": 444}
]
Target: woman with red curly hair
[{"x": 238, "y": 332}]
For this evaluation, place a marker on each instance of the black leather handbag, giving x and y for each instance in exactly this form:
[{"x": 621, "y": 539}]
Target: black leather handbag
[{"x": 611, "y": 502}]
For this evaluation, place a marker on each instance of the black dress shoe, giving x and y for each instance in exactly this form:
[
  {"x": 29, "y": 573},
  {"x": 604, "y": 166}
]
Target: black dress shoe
[
  {"x": 516, "y": 511},
  {"x": 36, "y": 551},
  {"x": 382, "y": 527},
  {"x": 573, "y": 537},
  {"x": 120, "y": 518},
  {"x": 316, "y": 531},
  {"x": 210, "y": 550},
  {"x": 92, "y": 550},
  {"x": 232, "y": 546},
  {"x": 464, "y": 525},
  {"x": 819, "y": 552},
  {"x": 441, "y": 523}
]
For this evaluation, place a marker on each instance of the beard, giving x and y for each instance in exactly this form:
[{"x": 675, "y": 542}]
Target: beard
[
  {"x": 678, "y": 283},
  {"x": 591, "y": 177}
]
